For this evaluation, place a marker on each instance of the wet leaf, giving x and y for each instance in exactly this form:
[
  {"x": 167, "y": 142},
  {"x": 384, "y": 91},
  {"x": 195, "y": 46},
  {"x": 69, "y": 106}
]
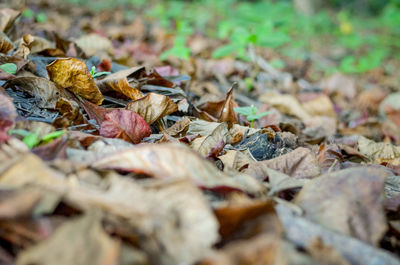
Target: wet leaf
[
  {"x": 152, "y": 107},
  {"x": 125, "y": 124},
  {"x": 73, "y": 75}
]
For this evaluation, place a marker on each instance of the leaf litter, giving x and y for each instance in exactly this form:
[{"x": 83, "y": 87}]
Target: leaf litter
[{"x": 151, "y": 164}]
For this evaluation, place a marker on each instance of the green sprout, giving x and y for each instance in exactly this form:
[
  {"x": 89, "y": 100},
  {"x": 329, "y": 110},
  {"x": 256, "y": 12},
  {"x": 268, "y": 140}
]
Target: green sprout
[
  {"x": 31, "y": 139},
  {"x": 96, "y": 74},
  {"x": 251, "y": 113}
]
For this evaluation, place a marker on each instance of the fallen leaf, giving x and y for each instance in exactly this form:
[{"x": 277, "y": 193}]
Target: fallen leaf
[
  {"x": 179, "y": 161},
  {"x": 39, "y": 87},
  {"x": 286, "y": 104},
  {"x": 7, "y": 19},
  {"x": 379, "y": 152},
  {"x": 348, "y": 201},
  {"x": 236, "y": 159},
  {"x": 320, "y": 106},
  {"x": 94, "y": 44},
  {"x": 73, "y": 75},
  {"x": 118, "y": 85},
  {"x": 340, "y": 84},
  {"x": 299, "y": 163},
  {"x": 86, "y": 233},
  {"x": 5, "y": 43},
  {"x": 152, "y": 107},
  {"x": 228, "y": 115},
  {"x": 125, "y": 124},
  {"x": 158, "y": 206},
  {"x": 281, "y": 182},
  {"x": 303, "y": 232},
  {"x": 179, "y": 128},
  {"x": 205, "y": 145},
  {"x": 8, "y": 114}
]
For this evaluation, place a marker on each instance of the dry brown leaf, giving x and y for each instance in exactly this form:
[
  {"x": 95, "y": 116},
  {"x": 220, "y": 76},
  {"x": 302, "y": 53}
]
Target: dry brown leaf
[
  {"x": 379, "y": 152},
  {"x": 71, "y": 114},
  {"x": 28, "y": 168},
  {"x": 126, "y": 125},
  {"x": 349, "y": 201},
  {"x": 237, "y": 218},
  {"x": 234, "y": 159},
  {"x": 228, "y": 115},
  {"x": 73, "y": 75},
  {"x": 7, "y": 19},
  {"x": 281, "y": 182},
  {"x": 94, "y": 44},
  {"x": 320, "y": 106},
  {"x": 80, "y": 241},
  {"x": 304, "y": 232},
  {"x": 179, "y": 161},
  {"x": 5, "y": 43},
  {"x": 179, "y": 128},
  {"x": 265, "y": 249},
  {"x": 158, "y": 206},
  {"x": 300, "y": 163},
  {"x": 152, "y": 107},
  {"x": 39, "y": 87},
  {"x": 8, "y": 114},
  {"x": 286, "y": 104},
  {"x": 205, "y": 145},
  {"x": 119, "y": 85}
]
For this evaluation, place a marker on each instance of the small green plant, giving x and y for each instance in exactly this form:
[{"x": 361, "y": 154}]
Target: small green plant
[
  {"x": 251, "y": 113},
  {"x": 9, "y": 68},
  {"x": 31, "y": 139},
  {"x": 96, "y": 74},
  {"x": 180, "y": 50}
]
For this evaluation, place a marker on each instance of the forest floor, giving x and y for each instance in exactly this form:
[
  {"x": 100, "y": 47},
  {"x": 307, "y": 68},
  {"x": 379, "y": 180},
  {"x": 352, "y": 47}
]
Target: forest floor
[{"x": 125, "y": 142}]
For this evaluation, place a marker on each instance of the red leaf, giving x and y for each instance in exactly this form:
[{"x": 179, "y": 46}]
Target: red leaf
[{"x": 125, "y": 124}]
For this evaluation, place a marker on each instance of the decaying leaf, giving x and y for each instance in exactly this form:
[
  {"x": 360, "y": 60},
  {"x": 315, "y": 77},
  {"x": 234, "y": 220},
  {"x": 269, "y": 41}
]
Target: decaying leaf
[
  {"x": 303, "y": 232},
  {"x": 280, "y": 182},
  {"x": 177, "y": 160},
  {"x": 179, "y": 128},
  {"x": 349, "y": 201},
  {"x": 205, "y": 145},
  {"x": 73, "y": 75},
  {"x": 236, "y": 159},
  {"x": 8, "y": 114},
  {"x": 7, "y": 19},
  {"x": 153, "y": 209},
  {"x": 286, "y": 104},
  {"x": 300, "y": 163},
  {"x": 5, "y": 43},
  {"x": 39, "y": 87},
  {"x": 119, "y": 85},
  {"x": 152, "y": 107},
  {"x": 93, "y": 44},
  {"x": 125, "y": 124},
  {"x": 80, "y": 241},
  {"x": 379, "y": 152}
]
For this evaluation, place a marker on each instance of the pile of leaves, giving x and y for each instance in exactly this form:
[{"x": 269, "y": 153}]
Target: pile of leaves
[{"x": 110, "y": 156}]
